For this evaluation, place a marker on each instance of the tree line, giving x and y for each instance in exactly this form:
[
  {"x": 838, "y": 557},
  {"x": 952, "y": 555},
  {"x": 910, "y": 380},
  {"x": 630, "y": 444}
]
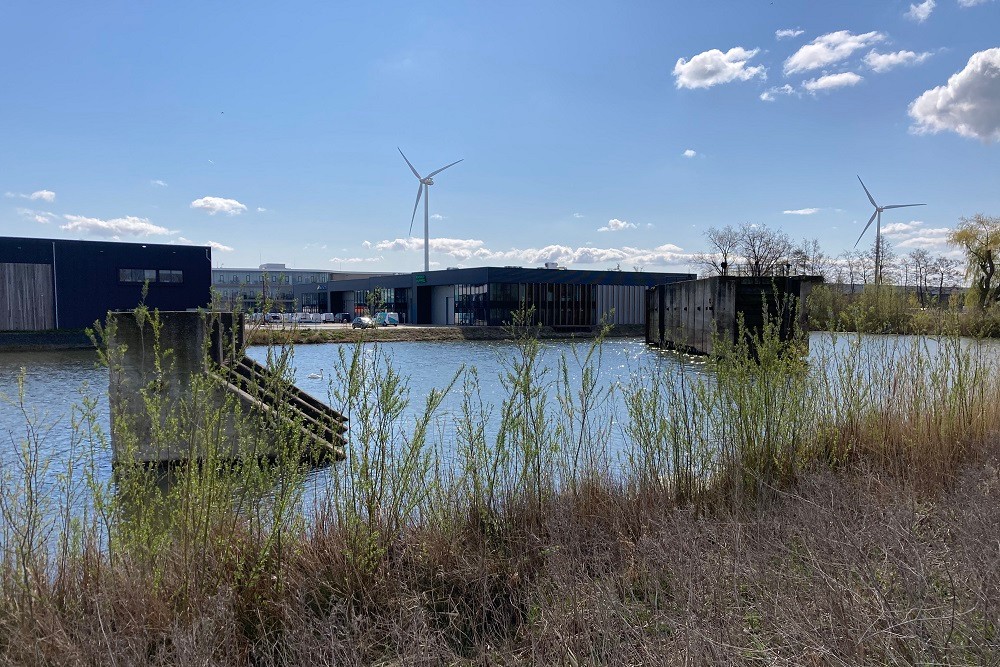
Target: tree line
[{"x": 757, "y": 250}]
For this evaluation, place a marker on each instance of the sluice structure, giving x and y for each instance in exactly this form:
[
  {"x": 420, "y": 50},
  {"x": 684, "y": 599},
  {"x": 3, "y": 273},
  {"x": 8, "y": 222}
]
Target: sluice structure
[
  {"x": 693, "y": 315},
  {"x": 171, "y": 373}
]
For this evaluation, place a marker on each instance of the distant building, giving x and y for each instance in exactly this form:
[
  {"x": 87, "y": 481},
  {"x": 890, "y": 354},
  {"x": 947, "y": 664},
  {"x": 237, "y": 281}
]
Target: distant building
[
  {"x": 61, "y": 284},
  {"x": 491, "y": 296},
  {"x": 249, "y": 289}
]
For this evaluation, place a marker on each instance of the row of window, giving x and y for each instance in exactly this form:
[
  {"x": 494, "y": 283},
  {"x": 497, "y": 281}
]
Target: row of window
[
  {"x": 150, "y": 275},
  {"x": 270, "y": 278}
]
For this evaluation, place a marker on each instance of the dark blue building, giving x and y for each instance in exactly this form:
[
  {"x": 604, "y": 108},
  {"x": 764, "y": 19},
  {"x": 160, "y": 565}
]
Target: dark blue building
[
  {"x": 490, "y": 296},
  {"x": 59, "y": 284}
]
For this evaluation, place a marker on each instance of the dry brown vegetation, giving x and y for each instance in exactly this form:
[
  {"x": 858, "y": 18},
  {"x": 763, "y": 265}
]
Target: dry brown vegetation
[{"x": 843, "y": 569}]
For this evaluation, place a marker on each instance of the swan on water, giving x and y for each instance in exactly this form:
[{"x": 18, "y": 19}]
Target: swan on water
[{"x": 316, "y": 376}]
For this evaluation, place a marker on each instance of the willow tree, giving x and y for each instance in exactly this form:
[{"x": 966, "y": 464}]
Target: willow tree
[{"x": 979, "y": 238}]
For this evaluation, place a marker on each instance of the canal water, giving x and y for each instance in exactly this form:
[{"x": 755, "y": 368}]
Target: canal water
[{"x": 40, "y": 392}]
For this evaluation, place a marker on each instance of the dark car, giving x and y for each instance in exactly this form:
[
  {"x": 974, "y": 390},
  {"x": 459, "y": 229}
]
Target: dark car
[
  {"x": 363, "y": 323},
  {"x": 342, "y": 318}
]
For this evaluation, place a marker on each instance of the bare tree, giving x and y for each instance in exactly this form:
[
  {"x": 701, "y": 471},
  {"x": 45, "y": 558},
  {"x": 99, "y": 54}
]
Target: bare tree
[
  {"x": 884, "y": 268},
  {"x": 920, "y": 265},
  {"x": 723, "y": 243},
  {"x": 944, "y": 269},
  {"x": 763, "y": 249},
  {"x": 808, "y": 259}
]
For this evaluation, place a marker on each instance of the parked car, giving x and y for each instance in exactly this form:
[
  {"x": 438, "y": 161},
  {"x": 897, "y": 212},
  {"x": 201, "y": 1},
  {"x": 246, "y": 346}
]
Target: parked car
[
  {"x": 273, "y": 317},
  {"x": 363, "y": 323},
  {"x": 329, "y": 317},
  {"x": 385, "y": 319},
  {"x": 343, "y": 317}
]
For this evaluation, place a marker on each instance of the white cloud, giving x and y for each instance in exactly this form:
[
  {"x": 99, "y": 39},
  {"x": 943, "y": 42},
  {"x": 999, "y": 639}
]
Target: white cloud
[
  {"x": 476, "y": 250},
  {"x": 787, "y": 33},
  {"x": 127, "y": 226},
  {"x": 616, "y": 225},
  {"x": 689, "y": 153},
  {"x": 261, "y": 209},
  {"x": 921, "y": 12},
  {"x": 355, "y": 260},
  {"x": 768, "y": 95},
  {"x": 831, "y": 81},
  {"x": 803, "y": 211},
  {"x": 366, "y": 244},
  {"x": 460, "y": 248},
  {"x": 219, "y": 205},
  {"x": 437, "y": 216},
  {"x": 578, "y": 215},
  {"x": 829, "y": 49},
  {"x": 158, "y": 183},
  {"x": 883, "y": 62},
  {"x": 218, "y": 246},
  {"x": 971, "y": 3},
  {"x": 41, "y": 217},
  {"x": 969, "y": 104},
  {"x": 714, "y": 67},
  {"x": 37, "y": 195},
  {"x": 914, "y": 235}
]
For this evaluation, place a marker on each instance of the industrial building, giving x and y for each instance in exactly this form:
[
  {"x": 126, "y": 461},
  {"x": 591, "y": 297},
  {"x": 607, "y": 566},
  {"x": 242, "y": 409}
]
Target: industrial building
[
  {"x": 491, "y": 296},
  {"x": 270, "y": 285},
  {"x": 62, "y": 284}
]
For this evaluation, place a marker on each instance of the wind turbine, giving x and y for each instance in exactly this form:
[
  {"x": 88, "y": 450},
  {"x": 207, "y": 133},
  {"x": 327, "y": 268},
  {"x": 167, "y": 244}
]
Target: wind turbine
[
  {"x": 424, "y": 189},
  {"x": 878, "y": 229}
]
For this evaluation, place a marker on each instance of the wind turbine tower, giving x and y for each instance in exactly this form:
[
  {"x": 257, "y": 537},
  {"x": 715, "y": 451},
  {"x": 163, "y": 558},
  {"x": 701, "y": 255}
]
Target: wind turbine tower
[
  {"x": 424, "y": 189},
  {"x": 878, "y": 229}
]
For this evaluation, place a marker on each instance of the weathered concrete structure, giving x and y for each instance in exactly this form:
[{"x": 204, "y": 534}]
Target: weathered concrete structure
[
  {"x": 181, "y": 389},
  {"x": 692, "y": 315}
]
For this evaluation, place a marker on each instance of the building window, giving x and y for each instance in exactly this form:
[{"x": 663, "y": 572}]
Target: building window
[
  {"x": 171, "y": 276},
  {"x": 136, "y": 275}
]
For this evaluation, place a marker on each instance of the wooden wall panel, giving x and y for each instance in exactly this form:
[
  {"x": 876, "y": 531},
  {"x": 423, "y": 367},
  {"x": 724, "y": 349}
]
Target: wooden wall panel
[{"x": 26, "y": 297}]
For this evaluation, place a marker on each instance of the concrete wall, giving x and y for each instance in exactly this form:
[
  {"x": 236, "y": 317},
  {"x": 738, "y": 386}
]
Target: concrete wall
[
  {"x": 443, "y": 304},
  {"x": 693, "y": 315}
]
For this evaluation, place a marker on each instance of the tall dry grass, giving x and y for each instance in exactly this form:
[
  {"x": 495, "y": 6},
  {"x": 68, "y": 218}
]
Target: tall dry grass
[{"x": 841, "y": 511}]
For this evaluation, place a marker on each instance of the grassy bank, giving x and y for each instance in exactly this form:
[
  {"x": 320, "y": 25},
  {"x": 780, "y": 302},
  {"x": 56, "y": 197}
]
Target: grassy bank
[
  {"x": 892, "y": 310},
  {"x": 303, "y": 334},
  {"x": 766, "y": 512}
]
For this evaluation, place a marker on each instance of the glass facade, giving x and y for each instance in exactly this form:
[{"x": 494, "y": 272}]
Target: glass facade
[
  {"x": 497, "y": 304},
  {"x": 471, "y": 305},
  {"x": 394, "y": 300},
  {"x": 548, "y": 304}
]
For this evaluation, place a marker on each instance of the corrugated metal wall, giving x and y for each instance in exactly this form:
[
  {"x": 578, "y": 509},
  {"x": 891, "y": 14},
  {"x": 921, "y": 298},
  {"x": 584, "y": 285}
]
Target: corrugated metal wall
[
  {"x": 621, "y": 304},
  {"x": 26, "y": 298}
]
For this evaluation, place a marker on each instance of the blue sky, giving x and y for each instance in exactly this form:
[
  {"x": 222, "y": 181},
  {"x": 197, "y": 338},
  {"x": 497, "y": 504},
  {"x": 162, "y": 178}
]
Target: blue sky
[{"x": 593, "y": 134}]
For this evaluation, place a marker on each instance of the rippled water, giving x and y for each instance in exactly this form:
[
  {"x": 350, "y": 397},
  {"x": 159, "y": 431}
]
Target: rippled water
[{"x": 54, "y": 382}]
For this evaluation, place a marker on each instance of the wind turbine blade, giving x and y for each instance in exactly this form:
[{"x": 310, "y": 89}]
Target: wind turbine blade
[
  {"x": 408, "y": 163},
  {"x": 434, "y": 173},
  {"x": 420, "y": 191},
  {"x": 870, "y": 198},
  {"x": 870, "y": 220},
  {"x": 901, "y": 206}
]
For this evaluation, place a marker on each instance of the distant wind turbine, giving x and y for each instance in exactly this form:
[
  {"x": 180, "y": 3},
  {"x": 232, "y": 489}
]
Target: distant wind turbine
[
  {"x": 878, "y": 229},
  {"x": 424, "y": 189}
]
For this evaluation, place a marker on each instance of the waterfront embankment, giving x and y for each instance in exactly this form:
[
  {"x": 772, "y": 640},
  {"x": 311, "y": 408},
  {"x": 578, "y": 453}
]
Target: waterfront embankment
[
  {"x": 305, "y": 334},
  {"x": 35, "y": 341}
]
